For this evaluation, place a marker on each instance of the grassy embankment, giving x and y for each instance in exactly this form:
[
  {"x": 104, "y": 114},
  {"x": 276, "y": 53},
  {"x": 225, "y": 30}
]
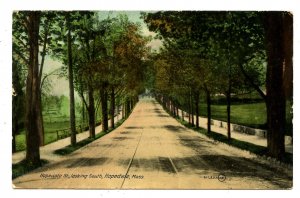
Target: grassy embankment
[
  {"x": 54, "y": 120},
  {"x": 246, "y": 112}
]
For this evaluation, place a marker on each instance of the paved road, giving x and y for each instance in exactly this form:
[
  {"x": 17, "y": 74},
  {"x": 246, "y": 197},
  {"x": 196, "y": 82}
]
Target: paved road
[{"x": 152, "y": 150}]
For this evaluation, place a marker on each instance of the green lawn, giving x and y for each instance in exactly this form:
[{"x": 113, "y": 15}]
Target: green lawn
[
  {"x": 249, "y": 114},
  {"x": 53, "y": 121},
  {"x": 50, "y": 134},
  {"x": 244, "y": 114}
]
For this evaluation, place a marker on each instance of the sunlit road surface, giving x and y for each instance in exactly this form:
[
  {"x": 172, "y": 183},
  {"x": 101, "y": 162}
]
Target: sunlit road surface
[{"x": 151, "y": 150}]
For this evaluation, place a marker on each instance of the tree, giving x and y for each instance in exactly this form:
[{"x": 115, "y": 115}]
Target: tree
[
  {"x": 21, "y": 52},
  {"x": 90, "y": 66},
  {"x": 206, "y": 30},
  {"x": 112, "y": 38},
  {"x": 32, "y": 24},
  {"x": 67, "y": 34},
  {"x": 61, "y": 49},
  {"x": 277, "y": 53},
  {"x": 18, "y": 79},
  {"x": 236, "y": 41},
  {"x": 131, "y": 52},
  {"x": 71, "y": 85}
]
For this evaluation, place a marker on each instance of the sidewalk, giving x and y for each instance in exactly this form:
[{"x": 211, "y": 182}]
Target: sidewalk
[
  {"x": 261, "y": 141},
  {"x": 46, "y": 151}
]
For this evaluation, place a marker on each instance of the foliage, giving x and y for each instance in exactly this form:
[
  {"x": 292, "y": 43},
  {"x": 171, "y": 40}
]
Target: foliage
[{"x": 215, "y": 43}]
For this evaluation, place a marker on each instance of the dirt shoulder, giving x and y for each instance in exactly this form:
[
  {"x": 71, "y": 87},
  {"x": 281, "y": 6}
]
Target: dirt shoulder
[{"x": 151, "y": 150}]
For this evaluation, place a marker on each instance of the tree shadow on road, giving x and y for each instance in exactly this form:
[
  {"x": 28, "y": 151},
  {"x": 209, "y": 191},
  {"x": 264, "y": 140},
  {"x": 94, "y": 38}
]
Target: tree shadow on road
[
  {"x": 233, "y": 167},
  {"x": 76, "y": 162},
  {"x": 158, "y": 111},
  {"x": 194, "y": 144},
  {"x": 163, "y": 164},
  {"x": 82, "y": 162},
  {"x": 174, "y": 128},
  {"x": 122, "y": 138},
  {"x": 125, "y": 132},
  {"x": 133, "y": 127},
  {"x": 163, "y": 116}
]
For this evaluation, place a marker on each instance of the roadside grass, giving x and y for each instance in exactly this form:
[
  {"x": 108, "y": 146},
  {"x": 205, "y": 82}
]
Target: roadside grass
[
  {"x": 23, "y": 167},
  {"x": 252, "y": 114},
  {"x": 69, "y": 149},
  {"x": 53, "y": 122},
  {"x": 253, "y": 148},
  {"x": 50, "y": 134}
]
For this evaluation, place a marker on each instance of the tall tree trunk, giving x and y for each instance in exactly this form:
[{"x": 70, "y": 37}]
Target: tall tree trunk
[
  {"x": 40, "y": 118},
  {"x": 208, "y": 102},
  {"x": 189, "y": 109},
  {"x": 274, "y": 28},
  {"x": 123, "y": 110},
  {"x": 40, "y": 121},
  {"x": 39, "y": 104},
  {"x": 32, "y": 91},
  {"x": 112, "y": 108},
  {"x": 103, "y": 96},
  {"x": 197, "y": 108},
  {"x": 136, "y": 100},
  {"x": 14, "y": 123},
  {"x": 288, "y": 55},
  {"x": 173, "y": 108},
  {"x": 71, "y": 85},
  {"x": 168, "y": 104},
  {"x": 91, "y": 112},
  {"x": 228, "y": 99},
  {"x": 127, "y": 107},
  {"x": 15, "y": 104},
  {"x": 131, "y": 104},
  {"x": 14, "y": 148},
  {"x": 192, "y": 108},
  {"x": 83, "y": 113}
]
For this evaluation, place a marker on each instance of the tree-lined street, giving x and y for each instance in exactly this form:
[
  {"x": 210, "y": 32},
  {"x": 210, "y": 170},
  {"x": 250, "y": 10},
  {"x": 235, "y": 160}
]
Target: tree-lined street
[
  {"x": 155, "y": 151},
  {"x": 230, "y": 67}
]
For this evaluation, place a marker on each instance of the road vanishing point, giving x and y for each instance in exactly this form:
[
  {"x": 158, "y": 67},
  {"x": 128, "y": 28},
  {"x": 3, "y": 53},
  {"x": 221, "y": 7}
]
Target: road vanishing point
[{"x": 151, "y": 150}]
